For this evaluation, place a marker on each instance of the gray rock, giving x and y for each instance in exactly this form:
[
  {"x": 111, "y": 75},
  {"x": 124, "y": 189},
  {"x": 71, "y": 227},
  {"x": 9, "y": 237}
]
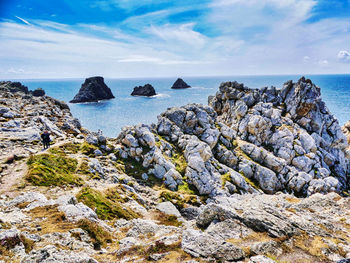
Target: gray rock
[
  {"x": 168, "y": 208},
  {"x": 50, "y": 254},
  {"x": 200, "y": 244},
  {"x": 261, "y": 259},
  {"x": 78, "y": 211},
  {"x": 90, "y": 139}
]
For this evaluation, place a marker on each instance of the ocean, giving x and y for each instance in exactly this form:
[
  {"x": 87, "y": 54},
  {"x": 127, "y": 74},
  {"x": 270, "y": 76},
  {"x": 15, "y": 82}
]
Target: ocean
[{"x": 110, "y": 116}]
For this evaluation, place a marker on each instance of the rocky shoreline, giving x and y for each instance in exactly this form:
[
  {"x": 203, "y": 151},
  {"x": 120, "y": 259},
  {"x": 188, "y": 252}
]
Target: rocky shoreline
[{"x": 259, "y": 175}]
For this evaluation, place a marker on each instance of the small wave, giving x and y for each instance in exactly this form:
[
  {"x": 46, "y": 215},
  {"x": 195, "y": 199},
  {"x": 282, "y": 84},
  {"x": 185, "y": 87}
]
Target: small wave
[{"x": 161, "y": 95}]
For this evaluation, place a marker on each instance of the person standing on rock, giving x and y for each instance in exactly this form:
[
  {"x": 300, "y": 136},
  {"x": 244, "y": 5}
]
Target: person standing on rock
[{"x": 46, "y": 139}]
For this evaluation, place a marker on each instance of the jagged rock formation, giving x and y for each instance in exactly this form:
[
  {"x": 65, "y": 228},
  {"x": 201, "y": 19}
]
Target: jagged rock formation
[
  {"x": 290, "y": 132},
  {"x": 146, "y": 90},
  {"x": 249, "y": 140},
  {"x": 180, "y": 84},
  {"x": 93, "y": 90}
]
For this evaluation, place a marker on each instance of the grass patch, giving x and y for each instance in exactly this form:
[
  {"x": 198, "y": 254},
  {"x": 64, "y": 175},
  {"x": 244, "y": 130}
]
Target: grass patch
[
  {"x": 186, "y": 188},
  {"x": 179, "y": 200},
  {"x": 88, "y": 149},
  {"x": 84, "y": 168},
  {"x": 225, "y": 178},
  {"x": 311, "y": 245},
  {"x": 67, "y": 148},
  {"x": 167, "y": 220},
  {"x": 51, "y": 219},
  {"x": 120, "y": 194},
  {"x": 105, "y": 208},
  {"x": 180, "y": 162},
  {"x": 135, "y": 169},
  {"x": 4, "y": 225},
  {"x": 159, "y": 247},
  {"x": 49, "y": 169},
  {"x": 253, "y": 184},
  {"x": 98, "y": 234},
  {"x": 292, "y": 200},
  {"x": 28, "y": 243},
  {"x": 177, "y": 157}
]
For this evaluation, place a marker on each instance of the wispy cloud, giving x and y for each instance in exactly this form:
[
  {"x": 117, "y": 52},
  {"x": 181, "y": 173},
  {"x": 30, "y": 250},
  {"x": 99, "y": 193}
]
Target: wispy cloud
[{"x": 23, "y": 20}]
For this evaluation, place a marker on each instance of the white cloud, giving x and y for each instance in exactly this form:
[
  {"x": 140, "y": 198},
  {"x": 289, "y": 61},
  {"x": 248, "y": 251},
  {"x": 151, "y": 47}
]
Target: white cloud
[
  {"x": 344, "y": 56},
  {"x": 306, "y": 59},
  {"x": 178, "y": 34},
  {"x": 323, "y": 62}
]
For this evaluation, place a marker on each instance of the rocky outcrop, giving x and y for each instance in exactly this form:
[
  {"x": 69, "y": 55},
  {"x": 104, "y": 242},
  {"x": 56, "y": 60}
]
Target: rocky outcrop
[
  {"x": 249, "y": 141},
  {"x": 180, "y": 84},
  {"x": 38, "y": 92},
  {"x": 146, "y": 90},
  {"x": 93, "y": 90},
  {"x": 289, "y": 132},
  {"x": 24, "y": 116},
  {"x": 14, "y": 86}
]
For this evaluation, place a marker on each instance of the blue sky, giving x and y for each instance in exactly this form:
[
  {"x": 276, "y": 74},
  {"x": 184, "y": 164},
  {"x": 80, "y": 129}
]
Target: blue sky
[{"x": 121, "y": 38}]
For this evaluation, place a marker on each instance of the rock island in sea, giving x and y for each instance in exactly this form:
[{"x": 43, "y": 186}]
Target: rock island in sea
[
  {"x": 93, "y": 90},
  {"x": 147, "y": 90},
  {"x": 258, "y": 175}
]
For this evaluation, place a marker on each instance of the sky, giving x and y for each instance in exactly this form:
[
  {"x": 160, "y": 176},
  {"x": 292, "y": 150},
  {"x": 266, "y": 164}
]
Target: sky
[{"x": 158, "y": 38}]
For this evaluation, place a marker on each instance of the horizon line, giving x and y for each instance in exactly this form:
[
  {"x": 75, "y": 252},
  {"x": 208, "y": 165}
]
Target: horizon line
[{"x": 167, "y": 77}]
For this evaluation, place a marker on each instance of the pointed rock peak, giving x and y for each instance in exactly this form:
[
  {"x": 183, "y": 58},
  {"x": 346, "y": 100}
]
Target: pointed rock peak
[
  {"x": 93, "y": 90},
  {"x": 180, "y": 84}
]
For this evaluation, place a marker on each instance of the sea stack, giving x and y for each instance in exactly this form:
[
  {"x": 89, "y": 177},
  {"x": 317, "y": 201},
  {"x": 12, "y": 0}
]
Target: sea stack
[
  {"x": 93, "y": 90},
  {"x": 180, "y": 84},
  {"x": 146, "y": 90}
]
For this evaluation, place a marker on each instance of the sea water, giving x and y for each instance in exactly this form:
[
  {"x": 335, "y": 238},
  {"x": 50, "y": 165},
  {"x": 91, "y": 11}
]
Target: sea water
[{"x": 110, "y": 116}]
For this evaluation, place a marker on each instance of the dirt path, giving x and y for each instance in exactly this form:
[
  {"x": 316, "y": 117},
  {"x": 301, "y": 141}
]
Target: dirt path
[{"x": 11, "y": 176}]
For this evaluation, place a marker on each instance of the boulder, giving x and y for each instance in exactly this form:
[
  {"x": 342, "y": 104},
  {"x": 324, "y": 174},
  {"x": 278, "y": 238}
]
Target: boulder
[
  {"x": 199, "y": 244},
  {"x": 168, "y": 208},
  {"x": 180, "y": 84},
  {"x": 146, "y": 90},
  {"x": 38, "y": 92},
  {"x": 93, "y": 90}
]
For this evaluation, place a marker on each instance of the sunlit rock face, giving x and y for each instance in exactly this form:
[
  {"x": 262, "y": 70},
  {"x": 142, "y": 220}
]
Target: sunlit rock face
[{"x": 247, "y": 140}]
